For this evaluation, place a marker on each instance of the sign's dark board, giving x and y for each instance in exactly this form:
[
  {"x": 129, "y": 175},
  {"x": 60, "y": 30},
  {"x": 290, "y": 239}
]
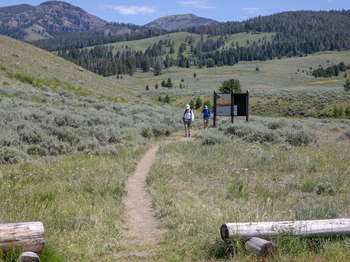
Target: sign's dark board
[{"x": 240, "y": 101}]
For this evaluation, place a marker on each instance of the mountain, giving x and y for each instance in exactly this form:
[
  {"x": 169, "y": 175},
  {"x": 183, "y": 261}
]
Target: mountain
[
  {"x": 51, "y": 19},
  {"x": 179, "y": 22}
]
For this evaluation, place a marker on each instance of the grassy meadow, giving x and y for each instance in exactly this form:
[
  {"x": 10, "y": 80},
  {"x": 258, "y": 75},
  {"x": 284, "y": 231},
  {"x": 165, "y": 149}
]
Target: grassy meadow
[
  {"x": 268, "y": 169},
  {"x": 280, "y": 87},
  {"x": 69, "y": 139},
  {"x": 242, "y": 39}
]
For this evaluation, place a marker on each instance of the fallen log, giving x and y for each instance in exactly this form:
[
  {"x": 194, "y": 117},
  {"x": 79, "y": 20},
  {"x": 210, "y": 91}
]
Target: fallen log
[
  {"x": 27, "y": 236},
  {"x": 259, "y": 246},
  {"x": 306, "y": 228}
]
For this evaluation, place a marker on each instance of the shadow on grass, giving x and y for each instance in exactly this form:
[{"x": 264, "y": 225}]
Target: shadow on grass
[
  {"x": 224, "y": 249},
  {"x": 48, "y": 254},
  {"x": 285, "y": 245}
]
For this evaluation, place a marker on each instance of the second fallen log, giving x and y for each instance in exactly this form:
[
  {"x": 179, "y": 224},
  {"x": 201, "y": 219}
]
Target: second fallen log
[
  {"x": 258, "y": 246},
  {"x": 306, "y": 228},
  {"x": 28, "y": 236}
]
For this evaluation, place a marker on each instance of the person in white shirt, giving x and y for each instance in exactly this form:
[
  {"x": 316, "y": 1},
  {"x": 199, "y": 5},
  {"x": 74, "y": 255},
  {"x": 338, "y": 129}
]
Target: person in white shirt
[{"x": 188, "y": 118}]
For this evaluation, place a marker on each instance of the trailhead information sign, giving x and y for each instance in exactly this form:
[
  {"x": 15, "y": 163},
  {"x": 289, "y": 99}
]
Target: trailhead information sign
[{"x": 231, "y": 105}]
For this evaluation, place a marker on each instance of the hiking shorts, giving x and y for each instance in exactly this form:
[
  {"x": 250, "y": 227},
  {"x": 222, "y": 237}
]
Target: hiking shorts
[{"x": 187, "y": 123}]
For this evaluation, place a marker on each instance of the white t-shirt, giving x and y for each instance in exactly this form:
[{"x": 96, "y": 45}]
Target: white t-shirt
[{"x": 188, "y": 115}]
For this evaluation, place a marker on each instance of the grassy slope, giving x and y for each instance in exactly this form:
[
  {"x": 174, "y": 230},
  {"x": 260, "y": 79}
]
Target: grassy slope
[
  {"x": 90, "y": 141},
  {"x": 21, "y": 57},
  {"x": 196, "y": 187},
  {"x": 180, "y": 37},
  {"x": 143, "y": 44},
  {"x": 245, "y": 39}
]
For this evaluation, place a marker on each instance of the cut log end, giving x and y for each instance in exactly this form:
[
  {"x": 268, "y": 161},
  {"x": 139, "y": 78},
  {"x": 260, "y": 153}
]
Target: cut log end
[
  {"x": 28, "y": 257},
  {"x": 224, "y": 232},
  {"x": 259, "y": 246}
]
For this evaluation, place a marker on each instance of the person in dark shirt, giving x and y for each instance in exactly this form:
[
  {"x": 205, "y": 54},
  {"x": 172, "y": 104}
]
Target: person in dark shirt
[{"x": 206, "y": 116}]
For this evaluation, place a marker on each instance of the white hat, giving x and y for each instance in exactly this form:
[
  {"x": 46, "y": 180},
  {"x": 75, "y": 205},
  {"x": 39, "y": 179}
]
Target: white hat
[
  {"x": 206, "y": 107},
  {"x": 188, "y": 106}
]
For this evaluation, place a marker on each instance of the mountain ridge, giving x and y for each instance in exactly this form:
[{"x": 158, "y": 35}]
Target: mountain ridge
[
  {"x": 49, "y": 19},
  {"x": 180, "y": 22}
]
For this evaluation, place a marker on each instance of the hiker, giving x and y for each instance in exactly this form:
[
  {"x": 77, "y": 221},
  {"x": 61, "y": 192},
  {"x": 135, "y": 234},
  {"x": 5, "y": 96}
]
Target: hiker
[
  {"x": 206, "y": 116},
  {"x": 188, "y": 118}
]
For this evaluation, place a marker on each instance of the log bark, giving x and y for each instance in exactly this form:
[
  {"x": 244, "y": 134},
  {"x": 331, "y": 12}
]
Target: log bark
[
  {"x": 28, "y": 236},
  {"x": 307, "y": 228},
  {"x": 259, "y": 246}
]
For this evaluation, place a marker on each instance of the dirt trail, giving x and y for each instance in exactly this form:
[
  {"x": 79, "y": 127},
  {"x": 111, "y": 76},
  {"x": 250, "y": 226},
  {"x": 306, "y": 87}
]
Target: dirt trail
[{"x": 143, "y": 228}]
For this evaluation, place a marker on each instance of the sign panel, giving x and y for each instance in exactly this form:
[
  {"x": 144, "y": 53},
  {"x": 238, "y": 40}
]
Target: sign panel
[{"x": 223, "y": 104}]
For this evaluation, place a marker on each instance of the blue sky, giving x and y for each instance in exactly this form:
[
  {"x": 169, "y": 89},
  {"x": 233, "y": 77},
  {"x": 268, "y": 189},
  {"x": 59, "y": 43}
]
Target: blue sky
[{"x": 143, "y": 11}]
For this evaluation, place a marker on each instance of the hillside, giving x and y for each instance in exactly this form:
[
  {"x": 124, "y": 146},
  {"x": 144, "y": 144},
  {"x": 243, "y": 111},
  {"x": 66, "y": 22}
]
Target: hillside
[
  {"x": 48, "y": 87},
  {"x": 288, "y": 34},
  {"x": 180, "y": 22},
  {"x": 16, "y": 56},
  {"x": 175, "y": 49},
  {"x": 179, "y": 38}
]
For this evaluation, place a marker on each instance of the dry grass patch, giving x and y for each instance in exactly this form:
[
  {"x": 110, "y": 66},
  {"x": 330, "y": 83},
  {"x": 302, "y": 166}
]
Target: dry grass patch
[{"x": 78, "y": 198}]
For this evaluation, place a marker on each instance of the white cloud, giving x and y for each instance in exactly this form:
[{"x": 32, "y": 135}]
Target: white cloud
[
  {"x": 133, "y": 9},
  {"x": 198, "y": 4},
  {"x": 251, "y": 10}
]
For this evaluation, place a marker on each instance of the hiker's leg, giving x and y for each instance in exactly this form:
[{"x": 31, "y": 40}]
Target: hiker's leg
[{"x": 185, "y": 124}]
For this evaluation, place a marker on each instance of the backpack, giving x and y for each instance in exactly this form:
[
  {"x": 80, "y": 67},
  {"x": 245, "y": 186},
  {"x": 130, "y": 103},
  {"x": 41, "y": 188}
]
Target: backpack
[
  {"x": 191, "y": 115},
  {"x": 206, "y": 113}
]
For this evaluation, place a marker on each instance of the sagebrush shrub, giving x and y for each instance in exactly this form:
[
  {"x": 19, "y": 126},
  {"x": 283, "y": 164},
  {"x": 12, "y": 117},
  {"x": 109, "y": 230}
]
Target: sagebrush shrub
[
  {"x": 276, "y": 125},
  {"x": 299, "y": 138},
  {"x": 209, "y": 137},
  {"x": 10, "y": 155},
  {"x": 65, "y": 123},
  {"x": 325, "y": 188},
  {"x": 37, "y": 150}
]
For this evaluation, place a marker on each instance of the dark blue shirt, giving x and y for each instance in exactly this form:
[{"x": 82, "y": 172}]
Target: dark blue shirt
[{"x": 206, "y": 113}]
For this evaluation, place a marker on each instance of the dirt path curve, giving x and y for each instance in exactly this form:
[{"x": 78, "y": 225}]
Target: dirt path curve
[{"x": 143, "y": 228}]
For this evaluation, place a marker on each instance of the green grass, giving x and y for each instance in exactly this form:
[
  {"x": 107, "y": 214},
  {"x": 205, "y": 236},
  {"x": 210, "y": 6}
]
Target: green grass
[
  {"x": 197, "y": 186},
  {"x": 246, "y": 39},
  {"x": 143, "y": 44},
  {"x": 52, "y": 84},
  {"x": 277, "y": 89},
  {"x": 78, "y": 198}
]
